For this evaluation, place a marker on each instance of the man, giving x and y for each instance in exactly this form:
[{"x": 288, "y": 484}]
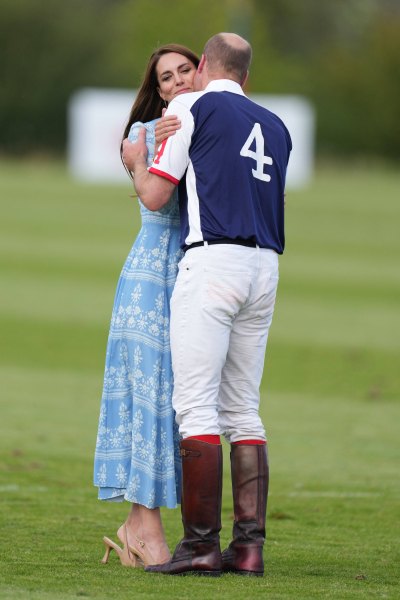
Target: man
[{"x": 229, "y": 159}]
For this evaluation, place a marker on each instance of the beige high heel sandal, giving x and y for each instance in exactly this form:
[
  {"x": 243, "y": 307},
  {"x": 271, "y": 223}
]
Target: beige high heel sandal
[
  {"x": 127, "y": 555},
  {"x": 143, "y": 554}
]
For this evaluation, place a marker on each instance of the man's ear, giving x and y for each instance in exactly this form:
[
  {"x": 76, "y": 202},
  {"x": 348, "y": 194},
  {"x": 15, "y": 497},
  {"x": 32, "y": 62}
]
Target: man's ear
[
  {"x": 201, "y": 63},
  {"x": 245, "y": 78}
]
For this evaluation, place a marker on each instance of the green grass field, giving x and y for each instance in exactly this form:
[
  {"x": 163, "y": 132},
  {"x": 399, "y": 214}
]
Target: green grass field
[{"x": 330, "y": 395}]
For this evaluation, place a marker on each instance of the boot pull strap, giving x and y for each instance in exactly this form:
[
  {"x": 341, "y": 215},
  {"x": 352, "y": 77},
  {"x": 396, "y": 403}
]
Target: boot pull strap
[{"x": 192, "y": 453}]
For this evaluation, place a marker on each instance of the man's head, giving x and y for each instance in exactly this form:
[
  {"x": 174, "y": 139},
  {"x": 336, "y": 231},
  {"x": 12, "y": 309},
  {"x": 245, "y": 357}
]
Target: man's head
[{"x": 225, "y": 56}]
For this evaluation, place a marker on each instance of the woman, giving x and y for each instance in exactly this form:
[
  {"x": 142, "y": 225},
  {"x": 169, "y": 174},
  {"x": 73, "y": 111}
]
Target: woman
[{"x": 137, "y": 451}]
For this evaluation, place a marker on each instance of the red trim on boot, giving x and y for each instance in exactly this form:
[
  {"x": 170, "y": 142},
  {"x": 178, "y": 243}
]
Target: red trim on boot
[
  {"x": 249, "y": 443},
  {"x": 209, "y": 439}
]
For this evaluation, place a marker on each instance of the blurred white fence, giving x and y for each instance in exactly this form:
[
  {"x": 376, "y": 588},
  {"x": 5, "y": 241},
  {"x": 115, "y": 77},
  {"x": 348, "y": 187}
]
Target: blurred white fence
[{"x": 97, "y": 117}]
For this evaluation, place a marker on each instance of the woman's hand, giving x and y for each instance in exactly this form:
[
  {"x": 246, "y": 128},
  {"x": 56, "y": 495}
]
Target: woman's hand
[{"x": 166, "y": 127}]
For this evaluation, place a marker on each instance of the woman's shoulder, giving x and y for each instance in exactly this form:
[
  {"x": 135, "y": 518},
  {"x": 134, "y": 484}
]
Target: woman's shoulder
[
  {"x": 137, "y": 126},
  {"x": 150, "y": 136}
]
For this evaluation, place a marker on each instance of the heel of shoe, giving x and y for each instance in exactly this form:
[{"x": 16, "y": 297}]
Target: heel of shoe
[
  {"x": 109, "y": 547},
  {"x": 125, "y": 556}
]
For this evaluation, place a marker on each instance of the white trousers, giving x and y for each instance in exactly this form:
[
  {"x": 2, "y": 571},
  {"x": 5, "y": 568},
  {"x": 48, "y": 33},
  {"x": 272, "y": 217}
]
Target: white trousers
[{"x": 221, "y": 312}]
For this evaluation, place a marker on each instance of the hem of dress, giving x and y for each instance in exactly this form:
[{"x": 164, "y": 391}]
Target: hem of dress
[{"x": 123, "y": 497}]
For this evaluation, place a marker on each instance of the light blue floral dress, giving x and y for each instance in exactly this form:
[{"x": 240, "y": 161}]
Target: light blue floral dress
[{"x": 137, "y": 450}]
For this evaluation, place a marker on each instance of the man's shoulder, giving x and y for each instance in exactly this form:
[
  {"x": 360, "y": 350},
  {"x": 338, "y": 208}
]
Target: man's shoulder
[
  {"x": 268, "y": 115},
  {"x": 185, "y": 100}
]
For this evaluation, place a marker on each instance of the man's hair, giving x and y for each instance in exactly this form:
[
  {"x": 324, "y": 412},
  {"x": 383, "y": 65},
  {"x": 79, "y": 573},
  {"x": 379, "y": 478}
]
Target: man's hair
[{"x": 230, "y": 54}]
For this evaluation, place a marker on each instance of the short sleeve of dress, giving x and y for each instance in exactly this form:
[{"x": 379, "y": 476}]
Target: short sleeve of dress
[{"x": 150, "y": 137}]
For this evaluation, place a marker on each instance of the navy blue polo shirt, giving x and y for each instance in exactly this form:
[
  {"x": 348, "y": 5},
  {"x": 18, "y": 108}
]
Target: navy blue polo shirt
[{"x": 229, "y": 159}]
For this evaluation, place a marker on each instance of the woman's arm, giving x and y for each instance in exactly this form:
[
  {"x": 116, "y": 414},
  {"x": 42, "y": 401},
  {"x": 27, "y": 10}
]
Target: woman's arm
[{"x": 154, "y": 191}]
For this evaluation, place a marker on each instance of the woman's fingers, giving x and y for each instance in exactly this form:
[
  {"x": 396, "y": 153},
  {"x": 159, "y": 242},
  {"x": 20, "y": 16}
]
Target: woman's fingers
[{"x": 166, "y": 127}]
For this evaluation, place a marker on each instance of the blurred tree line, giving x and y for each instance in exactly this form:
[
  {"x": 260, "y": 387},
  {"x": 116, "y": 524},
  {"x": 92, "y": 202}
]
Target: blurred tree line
[{"x": 344, "y": 55}]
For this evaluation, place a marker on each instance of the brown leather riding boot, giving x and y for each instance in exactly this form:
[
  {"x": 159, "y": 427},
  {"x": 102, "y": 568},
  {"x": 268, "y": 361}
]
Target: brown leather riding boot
[
  {"x": 250, "y": 475},
  {"x": 199, "y": 551}
]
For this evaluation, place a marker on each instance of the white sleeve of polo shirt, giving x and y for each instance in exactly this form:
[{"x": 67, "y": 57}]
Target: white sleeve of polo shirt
[{"x": 172, "y": 156}]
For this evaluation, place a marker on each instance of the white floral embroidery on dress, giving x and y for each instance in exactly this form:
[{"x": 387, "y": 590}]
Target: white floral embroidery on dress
[
  {"x": 102, "y": 474},
  {"x": 140, "y": 323},
  {"x": 134, "y": 485},
  {"x": 121, "y": 475}
]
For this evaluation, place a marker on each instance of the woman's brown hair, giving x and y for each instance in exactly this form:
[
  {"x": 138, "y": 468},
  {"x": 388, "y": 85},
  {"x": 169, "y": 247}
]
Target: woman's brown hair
[{"x": 148, "y": 105}]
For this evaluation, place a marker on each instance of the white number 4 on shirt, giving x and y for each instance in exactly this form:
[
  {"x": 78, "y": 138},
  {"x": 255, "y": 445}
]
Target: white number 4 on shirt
[{"x": 261, "y": 160}]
